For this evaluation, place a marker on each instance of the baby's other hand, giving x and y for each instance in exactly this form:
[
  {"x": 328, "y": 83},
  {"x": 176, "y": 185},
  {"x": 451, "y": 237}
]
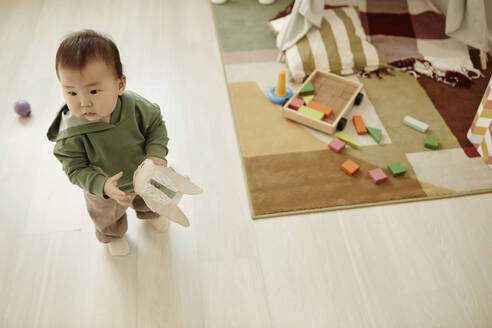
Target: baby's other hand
[
  {"x": 111, "y": 189},
  {"x": 158, "y": 161}
]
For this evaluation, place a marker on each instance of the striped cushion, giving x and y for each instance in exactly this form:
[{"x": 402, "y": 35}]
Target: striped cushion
[{"x": 340, "y": 46}]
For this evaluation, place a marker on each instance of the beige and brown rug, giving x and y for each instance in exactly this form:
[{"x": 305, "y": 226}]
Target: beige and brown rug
[{"x": 290, "y": 169}]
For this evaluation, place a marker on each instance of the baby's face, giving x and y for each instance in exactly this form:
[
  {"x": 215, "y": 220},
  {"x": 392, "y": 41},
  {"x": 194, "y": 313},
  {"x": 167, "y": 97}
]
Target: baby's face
[{"x": 93, "y": 91}]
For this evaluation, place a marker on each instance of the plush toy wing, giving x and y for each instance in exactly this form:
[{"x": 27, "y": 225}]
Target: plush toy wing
[
  {"x": 162, "y": 188},
  {"x": 175, "y": 181}
]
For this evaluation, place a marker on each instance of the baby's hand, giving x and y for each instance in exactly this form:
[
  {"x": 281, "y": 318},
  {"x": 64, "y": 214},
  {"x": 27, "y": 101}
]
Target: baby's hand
[
  {"x": 111, "y": 189},
  {"x": 158, "y": 161}
]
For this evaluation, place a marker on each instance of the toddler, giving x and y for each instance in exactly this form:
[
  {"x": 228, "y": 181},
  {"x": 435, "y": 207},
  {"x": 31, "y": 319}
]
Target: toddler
[{"x": 103, "y": 133}]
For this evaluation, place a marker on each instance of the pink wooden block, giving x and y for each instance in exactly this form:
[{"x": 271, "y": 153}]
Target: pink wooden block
[
  {"x": 336, "y": 145},
  {"x": 377, "y": 175},
  {"x": 296, "y": 103}
]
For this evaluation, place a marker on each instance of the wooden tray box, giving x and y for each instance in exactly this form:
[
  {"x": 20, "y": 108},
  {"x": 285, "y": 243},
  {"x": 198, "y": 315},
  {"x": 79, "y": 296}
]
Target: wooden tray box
[{"x": 335, "y": 91}]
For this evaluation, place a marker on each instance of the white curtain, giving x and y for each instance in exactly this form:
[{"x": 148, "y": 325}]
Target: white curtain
[
  {"x": 305, "y": 14},
  {"x": 466, "y": 21}
]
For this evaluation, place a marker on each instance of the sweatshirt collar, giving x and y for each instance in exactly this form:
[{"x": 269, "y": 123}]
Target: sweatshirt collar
[{"x": 66, "y": 125}]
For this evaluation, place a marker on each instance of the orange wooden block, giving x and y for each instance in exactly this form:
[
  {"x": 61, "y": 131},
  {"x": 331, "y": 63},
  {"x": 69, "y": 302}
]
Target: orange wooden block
[
  {"x": 320, "y": 107},
  {"x": 350, "y": 167},
  {"x": 359, "y": 124}
]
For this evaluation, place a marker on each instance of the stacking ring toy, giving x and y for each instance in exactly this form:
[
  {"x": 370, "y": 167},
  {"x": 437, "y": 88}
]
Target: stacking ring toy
[{"x": 279, "y": 94}]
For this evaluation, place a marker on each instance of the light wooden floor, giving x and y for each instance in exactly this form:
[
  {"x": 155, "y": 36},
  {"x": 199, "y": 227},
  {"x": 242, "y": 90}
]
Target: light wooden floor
[{"x": 425, "y": 264}]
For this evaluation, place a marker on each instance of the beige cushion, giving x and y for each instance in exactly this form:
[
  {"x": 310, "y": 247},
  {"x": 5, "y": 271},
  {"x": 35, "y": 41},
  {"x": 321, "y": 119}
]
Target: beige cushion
[{"x": 340, "y": 46}]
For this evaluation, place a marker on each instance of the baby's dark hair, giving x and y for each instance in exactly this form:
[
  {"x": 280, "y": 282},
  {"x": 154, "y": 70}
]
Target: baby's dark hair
[{"x": 78, "y": 48}]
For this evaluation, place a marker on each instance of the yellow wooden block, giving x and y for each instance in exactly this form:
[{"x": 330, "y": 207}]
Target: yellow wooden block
[
  {"x": 345, "y": 138},
  {"x": 317, "y": 115}
]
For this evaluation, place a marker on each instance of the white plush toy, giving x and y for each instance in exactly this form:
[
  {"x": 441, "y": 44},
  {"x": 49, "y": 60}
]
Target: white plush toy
[{"x": 162, "y": 188}]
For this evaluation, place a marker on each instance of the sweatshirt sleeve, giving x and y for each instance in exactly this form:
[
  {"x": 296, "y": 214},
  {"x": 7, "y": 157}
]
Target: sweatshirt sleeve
[
  {"x": 72, "y": 155},
  {"x": 155, "y": 133}
]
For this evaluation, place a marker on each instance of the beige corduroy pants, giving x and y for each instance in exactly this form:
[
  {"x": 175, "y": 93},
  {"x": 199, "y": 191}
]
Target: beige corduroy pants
[{"x": 109, "y": 217}]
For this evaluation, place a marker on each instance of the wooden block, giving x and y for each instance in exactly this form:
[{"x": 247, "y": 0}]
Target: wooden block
[
  {"x": 377, "y": 175},
  {"x": 396, "y": 169},
  {"x": 359, "y": 124},
  {"x": 307, "y": 90},
  {"x": 431, "y": 142},
  {"x": 350, "y": 167},
  {"x": 296, "y": 103},
  {"x": 416, "y": 124},
  {"x": 374, "y": 133},
  {"x": 307, "y": 99},
  {"x": 320, "y": 107},
  {"x": 317, "y": 115},
  {"x": 345, "y": 138},
  {"x": 336, "y": 145}
]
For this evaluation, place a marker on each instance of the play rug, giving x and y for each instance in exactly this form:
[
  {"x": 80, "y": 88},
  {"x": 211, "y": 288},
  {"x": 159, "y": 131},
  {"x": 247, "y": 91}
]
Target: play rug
[{"x": 290, "y": 169}]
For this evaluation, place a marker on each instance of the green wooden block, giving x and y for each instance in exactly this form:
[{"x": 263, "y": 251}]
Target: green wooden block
[
  {"x": 431, "y": 142},
  {"x": 317, "y": 115},
  {"x": 307, "y": 99},
  {"x": 307, "y": 90},
  {"x": 396, "y": 169},
  {"x": 345, "y": 138},
  {"x": 374, "y": 133}
]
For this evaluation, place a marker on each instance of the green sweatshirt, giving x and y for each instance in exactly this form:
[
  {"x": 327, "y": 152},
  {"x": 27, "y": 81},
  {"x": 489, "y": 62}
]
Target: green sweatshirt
[{"x": 92, "y": 152}]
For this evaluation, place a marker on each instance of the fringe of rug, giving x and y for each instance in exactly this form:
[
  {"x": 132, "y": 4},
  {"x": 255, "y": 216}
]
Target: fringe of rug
[
  {"x": 378, "y": 72},
  {"x": 418, "y": 66}
]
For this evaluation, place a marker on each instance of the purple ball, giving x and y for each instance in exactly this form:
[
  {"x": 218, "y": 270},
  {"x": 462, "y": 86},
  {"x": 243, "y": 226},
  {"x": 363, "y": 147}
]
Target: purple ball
[{"x": 22, "y": 108}]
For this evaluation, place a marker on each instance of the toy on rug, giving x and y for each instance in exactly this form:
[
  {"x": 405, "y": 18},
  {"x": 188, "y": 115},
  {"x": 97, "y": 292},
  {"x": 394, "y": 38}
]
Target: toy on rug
[
  {"x": 416, "y": 124},
  {"x": 162, "y": 188},
  {"x": 350, "y": 167},
  {"x": 396, "y": 169},
  {"x": 377, "y": 175},
  {"x": 280, "y": 94},
  {"x": 431, "y": 142},
  {"x": 22, "y": 108},
  {"x": 328, "y": 97}
]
